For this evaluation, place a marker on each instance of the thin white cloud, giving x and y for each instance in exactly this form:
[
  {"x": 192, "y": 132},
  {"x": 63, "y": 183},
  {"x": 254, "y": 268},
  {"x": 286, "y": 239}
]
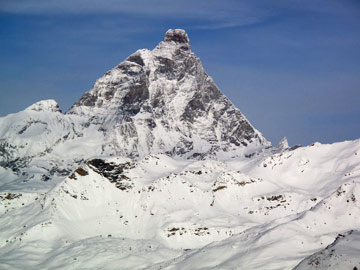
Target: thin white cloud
[
  {"x": 210, "y": 14},
  {"x": 164, "y": 7},
  {"x": 230, "y": 23}
]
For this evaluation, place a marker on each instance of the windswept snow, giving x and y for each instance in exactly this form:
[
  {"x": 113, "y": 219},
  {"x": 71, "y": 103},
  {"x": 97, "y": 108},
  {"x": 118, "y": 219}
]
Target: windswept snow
[
  {"x": 154, "y": 168},
  {"x": 343, "y": 253},
  {"x": 236, "y": 214}
]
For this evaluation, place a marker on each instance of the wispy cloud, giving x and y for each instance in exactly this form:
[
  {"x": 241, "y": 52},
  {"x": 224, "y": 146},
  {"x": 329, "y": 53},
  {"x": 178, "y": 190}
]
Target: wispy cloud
[
  {"x": 156, "y": 7},
  {"x": 210, "y": 14}
]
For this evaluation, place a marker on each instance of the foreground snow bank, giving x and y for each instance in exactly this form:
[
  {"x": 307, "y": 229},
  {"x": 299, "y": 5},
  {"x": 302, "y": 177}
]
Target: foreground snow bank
[{"x": 166, "y": 213}]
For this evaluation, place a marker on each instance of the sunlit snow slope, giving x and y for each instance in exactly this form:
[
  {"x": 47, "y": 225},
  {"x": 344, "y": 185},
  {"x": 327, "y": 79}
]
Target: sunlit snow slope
[{"x": 154, "y": 168}]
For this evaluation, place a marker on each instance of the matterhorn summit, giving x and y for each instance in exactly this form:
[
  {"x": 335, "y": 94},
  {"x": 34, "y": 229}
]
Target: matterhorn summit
[
  {"x": 162, "y": 101},
  {"x": 158, "y": 101},
  {"x": 154, "y": 168}
]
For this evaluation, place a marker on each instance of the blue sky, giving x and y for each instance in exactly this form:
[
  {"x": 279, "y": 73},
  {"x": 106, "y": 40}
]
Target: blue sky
[{"x": 292, "y": 67}]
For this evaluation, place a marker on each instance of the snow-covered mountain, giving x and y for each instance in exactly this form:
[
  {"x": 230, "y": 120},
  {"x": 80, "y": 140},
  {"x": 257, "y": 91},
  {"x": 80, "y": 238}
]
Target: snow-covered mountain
[
  {"x": 158, "y": 101},
  {"x": 162, "y": 101},
  {"x": 154, "y": 168}
]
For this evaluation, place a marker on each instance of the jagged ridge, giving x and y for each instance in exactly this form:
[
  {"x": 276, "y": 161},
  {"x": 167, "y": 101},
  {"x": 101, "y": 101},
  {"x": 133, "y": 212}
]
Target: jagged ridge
[
  {"x": 159, "y": 101},
  {"x": 165, "y": 96}
]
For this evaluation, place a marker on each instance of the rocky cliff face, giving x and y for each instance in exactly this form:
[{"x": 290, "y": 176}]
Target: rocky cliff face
[
  {"x": 159, "y": 101},
  {"x": 163, "y": 101}
]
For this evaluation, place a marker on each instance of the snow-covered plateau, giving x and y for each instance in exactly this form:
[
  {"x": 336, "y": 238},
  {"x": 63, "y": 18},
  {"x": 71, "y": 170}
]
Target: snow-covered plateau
[{"x": 154, "y": 168}]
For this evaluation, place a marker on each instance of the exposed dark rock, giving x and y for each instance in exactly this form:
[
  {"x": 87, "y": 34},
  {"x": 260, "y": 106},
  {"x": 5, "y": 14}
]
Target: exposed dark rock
[
  {"x": 135, "y": 98},
  {"x": 81, "y": 171},
  {"x": 295, "y": 147},
  {"x": 194, "y": 108},
  {"x": 29, "y": 124},
  {"x": 113, "y": 172},
  {"x": 275, "y": 198},
  {"x": 151, "y": 123},
  {"x": 177, "y": 35},
  {"x": 136, "y": 58},
  {"x": 219, "y": 188},
  {"x": 10, "y": 196},
  {"x": 88, "y": 100},
  {"x": 45, "y": 178},
  {"x": 166, "y": 67},
  {"x": 16, "y": 165}
]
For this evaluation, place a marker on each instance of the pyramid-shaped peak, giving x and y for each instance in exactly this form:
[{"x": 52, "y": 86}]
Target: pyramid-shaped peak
[
  {"x": 283, "y": 144},
  {"x": 162, "y": 101},
  {"x": 177, "y": 35}
]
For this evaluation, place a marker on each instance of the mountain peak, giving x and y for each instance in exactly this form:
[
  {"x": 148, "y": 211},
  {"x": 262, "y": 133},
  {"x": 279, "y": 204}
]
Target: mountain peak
[
  {"x": 45, "y": 105},
  {"x": 162, "y": 101},
  {"x": 283, "y": 144},
  {"x": 177, "y": 36}
]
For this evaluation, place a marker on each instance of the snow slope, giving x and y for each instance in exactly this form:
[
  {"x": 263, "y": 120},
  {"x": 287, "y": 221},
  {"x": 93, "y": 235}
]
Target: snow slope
[
  {"x": 343, "y": 253},
  {"x": 154, "y": 168},
  {"x": 209, "y": 214}
]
